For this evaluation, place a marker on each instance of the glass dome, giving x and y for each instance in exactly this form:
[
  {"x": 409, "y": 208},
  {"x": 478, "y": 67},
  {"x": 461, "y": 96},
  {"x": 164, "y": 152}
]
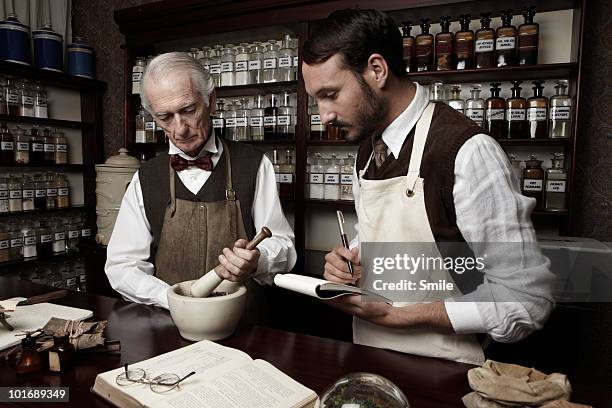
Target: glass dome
[{"x": 363, "y": 390}]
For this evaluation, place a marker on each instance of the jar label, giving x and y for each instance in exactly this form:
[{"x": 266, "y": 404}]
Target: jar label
[
  {"x": 58, "y": 236},
  {"x": 255, "y": 64},
  {"x": 15, "y": 194},
  {"x": 30, "y": 241},
  {"x": 23, "y": 147},
  {"x": 41, "y": 102},
  {"x": 46, "y": 238},
  {"x": 73, "y": 234},
  {"x": 556, "y": 113},
  {"x": 316, "y": 178},
  {"x": 28, "y": 193},
  {"x": 506, "y": 43},
  {"x": 346, "y": 179},
  {"x": 283, "y": 120},
  {"x": 227, "y": 66},
  {"x": 536, "y": 114},
  {"x": 27, "y": 100},
  {"x": 140, "y": 136},
  {"x": 256, "y": 121},
  {"x": 41, "y": 193},
  {"x": 12, "y": 98},
  {"x": 285, "y": 62},
  {"x": 83, "y": 278},
  {"x": 532, "y": 185},
  {"x": 241, "y": 122},
  {"x": 8, "y": 146},
  {"x": 515, "y": 115},
  {"x": 218, "y": 123},
  {"x": 86, "y": 232},
  {"x": 136, "y": 76},
  {"x": 495, "y": 114},
  {"x": 230, "y": 122},
  {"x": 149, "y": 126},
  {"x": 38, "y": 147},
  {"x": 242, "y": 66},
  {"x": 555, "y": 186},
  {"x": 332, "y": 179},
  {"x": 63, "y": 191},
  {"x": 315, "y": 119},
  {"x": 206, "y": 67},
  {"x": 71, "y": 282},
  {"x": 51, "y": 192},
  {"x": 285, "y": 178},
  {"x": 157, "y": 127},
  {"x": 4, "y": 244},
  {"x": 485, "y": 45},
  {"x": 269, "y": 63},
  {"x": 215, "y": 69},
  {"x": 476, "y": 114},
  {"x": 61, "y": 148},
  {"x": 269, "y": 120},
  {"x": 295, "y": 61},
  {"x": 16, "y": 242},
  {"x": 4, "y": 194},
  {"x": 49, "y": 147}
]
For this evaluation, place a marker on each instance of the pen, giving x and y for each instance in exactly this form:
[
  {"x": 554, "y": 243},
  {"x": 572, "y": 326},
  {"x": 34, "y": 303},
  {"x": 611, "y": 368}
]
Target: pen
[{"x": 345, "y": 242}]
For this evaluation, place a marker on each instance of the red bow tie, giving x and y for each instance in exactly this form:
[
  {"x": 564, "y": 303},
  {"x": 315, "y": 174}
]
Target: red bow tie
[{"x": 180, "y": 164}]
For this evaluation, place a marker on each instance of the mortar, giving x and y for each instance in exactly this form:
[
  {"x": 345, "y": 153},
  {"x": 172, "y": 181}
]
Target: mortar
[{"x": 209, "y": 318}]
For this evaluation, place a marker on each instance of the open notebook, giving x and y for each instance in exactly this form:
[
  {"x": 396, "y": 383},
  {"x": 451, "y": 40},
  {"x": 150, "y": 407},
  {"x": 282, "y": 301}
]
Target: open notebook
[{"x": 225, "y": 378}]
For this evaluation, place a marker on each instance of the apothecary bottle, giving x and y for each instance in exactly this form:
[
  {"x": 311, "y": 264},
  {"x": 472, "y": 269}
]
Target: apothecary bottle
[
  {"x": 424, "y": 47},
  {"x": 464, "y": 44},
  {"x": 61, "y": 148},
  {"x": 317, "y": 178},
  {"x": 45, "y": 239},
  {"x": 16, "y": 242},
  {"x": 436, "y": 92},
  {"x": 26, "y": 100},
  {"x": 22, "y": 146},
  {"x": 287, "y": 176},
  {"x": 516, "y": 169},
  {"x": 4, "y": 243},
  {"x": 257, "y": 117},
  {"x": 11, "y": 98},
  {"x": 495, "y": 113},
  {"x": 270, "y": 63},
  {"x": 528, "y": 38},
  {"x": 484, "y": 49},
  {"x": 139, "y": 124},
  {"x": 15, "y": 194},
  {"x": 317, "y": 128},
  {"x": 218, "y": 121},
  {"x": 560, "y": 112},
  {"x": 533, "y": 180},
  {"x": 37, "y": 146},
  {"x": 137, "y": 72},
  {"x": 505, "y": 45},
  {"x": 215, "y": 65},
  {"x": 7, "y": 146},
  {"x": 256, "y": 58},
  {"x": 516, "y": 113},
  {"x": 59, "y": 236},
  {"x": 285, "y": 60},
  {"x": 228, "y": 58},
  {"x": 285, "y": 125},
  {"x": 346, "y": 178},
  {"x": 242, "y": 65},
  {"x": 296, "y": 60},
  {"x": 444, "y": 46},
  {"x": 475, "y": 106},
  {"x": 408, "y": 45},
  {"x": 49, "y": 146},
  {"x": 51, "y": 191},
  {"x": 555, "y": 192},
  {"x": 537, "y": 112},
  {"x": 270, "y": 114},
  {"x": 242, "y": 120},
  {"x": 28, "y": 233},
  {"x": 455, "y": 100},
  {"x": 4, "y": 195},
  {"x": 230, "y": 120},
  {"x": 150, "y": 136},
  {"x": 28, "y": 192},
  {"x": 204, "y": 60},
  {"x": 73, "y": 230},
  {"x": 332, "y": 179},
  {"x": 41, "y": 109},
  {"x": 40, "y": 192},
  {"x": 63, "y": 191}
]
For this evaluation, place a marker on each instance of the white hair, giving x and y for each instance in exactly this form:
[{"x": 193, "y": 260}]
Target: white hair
[{"x": 173, "y": 63}]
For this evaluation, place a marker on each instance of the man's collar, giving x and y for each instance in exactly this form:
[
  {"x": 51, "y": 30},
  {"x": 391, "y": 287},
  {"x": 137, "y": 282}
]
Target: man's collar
[{"x": 210, "y": 146}]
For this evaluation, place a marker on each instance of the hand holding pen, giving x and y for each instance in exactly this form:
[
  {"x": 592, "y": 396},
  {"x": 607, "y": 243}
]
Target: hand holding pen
[{"x": 344, "y": 239}]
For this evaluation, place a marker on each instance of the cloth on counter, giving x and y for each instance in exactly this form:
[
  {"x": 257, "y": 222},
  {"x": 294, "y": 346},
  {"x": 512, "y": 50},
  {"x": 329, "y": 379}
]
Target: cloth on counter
[
  {"x": 565, "y": 404},
  {"x": 82, "y": 335},
  {"x": 473, "y": 400}
]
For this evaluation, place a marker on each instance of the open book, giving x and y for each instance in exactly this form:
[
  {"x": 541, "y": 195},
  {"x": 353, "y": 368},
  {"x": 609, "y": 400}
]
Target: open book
[
  {"x": 224, "y": 378},
  {"x": 323, "y": 289}
]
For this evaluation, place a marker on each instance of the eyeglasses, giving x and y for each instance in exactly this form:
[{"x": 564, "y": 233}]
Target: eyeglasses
[{"x": 161, "y": 384}]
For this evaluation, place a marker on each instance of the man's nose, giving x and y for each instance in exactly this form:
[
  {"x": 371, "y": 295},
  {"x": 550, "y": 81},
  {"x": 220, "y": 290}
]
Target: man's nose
[
  {"x": 180, "y": 125},
  {"x": 327, "y": 116}
]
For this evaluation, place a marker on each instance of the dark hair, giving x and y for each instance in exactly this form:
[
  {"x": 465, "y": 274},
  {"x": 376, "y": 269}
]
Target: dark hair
[{"x": 355, "y": 35}]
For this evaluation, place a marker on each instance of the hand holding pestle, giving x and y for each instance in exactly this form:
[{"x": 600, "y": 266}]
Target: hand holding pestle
[{"x": 206, "y": 285}]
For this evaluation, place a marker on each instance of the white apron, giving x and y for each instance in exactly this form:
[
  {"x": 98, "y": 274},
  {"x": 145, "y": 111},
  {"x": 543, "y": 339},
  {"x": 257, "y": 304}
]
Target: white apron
[{"x": 387, "y": 213}]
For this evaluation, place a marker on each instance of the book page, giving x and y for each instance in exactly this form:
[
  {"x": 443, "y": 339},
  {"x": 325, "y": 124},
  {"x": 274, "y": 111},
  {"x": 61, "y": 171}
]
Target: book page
[{"x": 305, "y": 285}]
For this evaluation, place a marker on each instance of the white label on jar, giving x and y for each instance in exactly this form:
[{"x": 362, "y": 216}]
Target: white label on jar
[
  {"x": 536, "y": 114},
  {"x": 23, "y": 147},
  {"x": 63, "y": 191},
  {"x": 346, "y": 179},
  {"x": 269, "y": 120},
  {"x": 8, "y": 146},
  {"x": 295, "y": 61},
  {"x": 73, "y": 234},
  {"x": 284, "y": 62},
  {"x": 16, "y": 243},
  {"x": 253, "y": 65},
  {"x": 316, "y": 178},
  {"x": 270, "y": 63},
  {"x": 4, "y": 194},
  {"x": 38, "y": 147},
  {"x": 27, "y": 100},
  {"x": 515, "y": 115},
  {"x": 532, "y": 185},
  {"x": 285, "y": 178},
  {"x": 71, "y": 282},
  {"x": 136, "y": 76},
  {"x": 28, "y": 193},
  {"x": 218, "y": 123},
  {"x": 12, "y": 98},
  {"x": 4, "y": 244},
  {"x": 140, "y": 136},
  {"x": 242, "y": 122},
  {"x": 332, "y": 178},
  {"x": 41, "y": 102},
  {"x": 485, "y": 45},
  {"x": 505, "y": 43},
  {"x": 230, "y": 122},
  {"x": 49, "y": 147},
  {"x": 83, "y": 278},
  {"x": 86, "y": 232},
  {"x": 46, "y": 238},
  {"x": 283, "y": 120},
  {"x": 41, "y": 193},
  {"x": 61, "y": 148},
  {"x": 242, "y": 66},
  {"x": 555, "y": 186},
  {"x": 227, "y": 66},
  {"x": 157, "y": 127},
  {"x": 30, "y": 241},
  {"x": 495, "y": 114},
  {"x": 476, "y": 114},
  {"x": 149, "y": 125},
  {"x": 58, "y": 236},
  {"x": 256, "y": 121},
  {"x": 560, "y": 112},
  {"x": 15, "y": 194},
  {"x": 51, "y": 192},
  {"x": 215, "y": 69},
  {"x": 315, "y": 119}
]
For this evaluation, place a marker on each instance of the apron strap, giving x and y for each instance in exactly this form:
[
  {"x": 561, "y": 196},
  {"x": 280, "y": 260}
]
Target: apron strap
[
  {"x": 420, "y": 137},
  {"x": 172, "y": 191},
  {"x": 230, "y": 194}
]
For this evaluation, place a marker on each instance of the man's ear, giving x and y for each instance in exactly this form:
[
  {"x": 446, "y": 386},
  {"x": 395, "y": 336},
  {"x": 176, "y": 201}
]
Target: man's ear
[{"x": 377, "y": 71}]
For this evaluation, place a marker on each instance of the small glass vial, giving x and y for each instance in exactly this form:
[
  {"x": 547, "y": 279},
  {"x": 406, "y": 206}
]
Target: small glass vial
[
  {"x": 424, "y": 47},
  {"x": 5, "y": 243},
  {"x": 49, "y": 146},
  {"x": 346, "y": 178},
  {"x": 270, "y": 63},
  {"x": 63, "y": 191},
  {"x": 505, "y": 45},
  {"x": 484, "y": 49},
  {"x": 242, "y": 65},
  {"x": 455, "y": 100},
  {"x": 332, "y": 179},
  {"x": 4, "y": 195},
  {"x": 555, "y": 193},
  {"x": 464, "y": 44},
  {"x": 51, "y": 191},
  {"x": 29, "y": 240},
  {"x": 436, "y": 92},
  {"x": 285, "y": 127},
  {"x": 533, "y": 180},
  {"x": 26, "y": 100},
  {"x": 11, "y": 98},
  {"x": 7, "y": 146},
  {"x": 475, "y": 106},
  {"x": 242, "y": 120},
  {"x": 444, "y": 46},
  {"x": 230, "y": 120},
  {"x": 15, "y": 194},
  {"x": 215, "y": 65},
  {"x": 228, "y": 58},
  {"x": 317, "y": 178},
  {"x": 528, "y": 38},
  {"x": 37, "y": 147},
  {"x": 73, "y": 233},
  {"x": 61, "y": 148},
  {"x": 59, "y": 236},
  {"x": 45, "y": 240},
  {"x": 287, "y": 176},
  {"x": 22, "y": 146},
  {"x": 137, "y": 71},
  {"x": 40, "y": 192},
  {"x": 516, "y": 114},
  {"x": 139, "y": 124},
  {"x": 317, "y": 128},
  {"x": 560, "y": 112},
  {"x": 40, "y": 103},
  {"x": 16, "y": 242},
  {"x": 256, "y": 58},
  {"x": 218, "y": 120},
  {"x": 408, "y": 46},
  {"x": 495, "y": 113},
  {"x": 537, "y": 112},
  {"x": 285, "y": 60},
  {"x": 256, "y": 118},
  {"x": 270, "y": 121},
  {"x": 27, "y": 203}
]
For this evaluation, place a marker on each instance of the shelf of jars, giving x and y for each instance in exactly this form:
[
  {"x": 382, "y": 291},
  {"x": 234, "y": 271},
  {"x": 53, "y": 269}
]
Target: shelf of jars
[
  {"x": 38, "y": 211},
  {"x": 254, "y": 89},
  {"x": 54, "y": 167},
  {"x": 43, "y": 255},
  {"x": 58, "y": 123},
  {"x": 51, "y": 77}
]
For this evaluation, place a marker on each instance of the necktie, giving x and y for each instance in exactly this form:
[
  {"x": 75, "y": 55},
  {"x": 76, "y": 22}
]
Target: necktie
[
  {"x": 180, "y": 164},
  {"x": 380, "y": 152}
]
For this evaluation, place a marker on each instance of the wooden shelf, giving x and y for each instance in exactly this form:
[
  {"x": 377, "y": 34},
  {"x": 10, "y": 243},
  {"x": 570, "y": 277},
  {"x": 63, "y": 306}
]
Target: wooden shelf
[
  {"x": 330, "y": 204},
  {"x": 50, "y": 77},
  {"x": 549, "y": 214},
  {"x": 534, "y": 142},
  {"x": 57, "y": 123},
  {"x": 84, "y": 251},
  {"x": 56, "y": 167},
  {"x": 253, "y": 89},
  {"x": 48, "y": 211},
  {"x": 270, "y": 142},
  {"x": 341, "y": 143}
]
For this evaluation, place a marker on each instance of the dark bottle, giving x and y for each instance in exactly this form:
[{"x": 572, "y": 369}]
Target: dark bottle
[
  {"x": 408, "y": 45},
  {"x": 516, "y": 113},
  {"x": 218, "y": 121},
  {"x": 424, "y": 47},
  {"x": 444, "y": 46},
  {"x": 49, "y": 146},
  {"x": 464, "y": 44},
  {"x": 484, "y": 50},
  {"x": 505, "y": 45},
  {"x": 494, "y": 114},
  {"x": 40, "y": 192},
  {"x": 533, "y": 180},
  {"x": 30, "y": 360},
  {"x": 270, "y": 114},
  {"x": 37, "y": 147},
  {"x": 7, "y": 148},
  {"x": 537, "y": 112},
  {"x": 528, "y": 38}
]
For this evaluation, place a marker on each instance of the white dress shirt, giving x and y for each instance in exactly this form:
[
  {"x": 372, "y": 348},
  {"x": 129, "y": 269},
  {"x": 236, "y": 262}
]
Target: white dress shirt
[
  {"x": 127, "y": 267},
  {"x": 490, "y": 209}
]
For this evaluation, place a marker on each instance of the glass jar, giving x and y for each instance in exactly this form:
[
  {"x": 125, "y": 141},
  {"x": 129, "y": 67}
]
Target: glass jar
[
  {"x": 4, "y": 243},
  {"x": 37, "y": 147},
  {"x": 285, "y": 129},
  {"x": 149, "y": 128},
  {"x": 40, "y": 192},
  {"x": 45, "y": 239},
  {"x": 215, "y": 65},
  {"x": 285, "y": 60},
  {"x": 59, "y": 236},
  {"x": 41, "y": 109},
  {"x": 139, "y": 125},
  {"x": 15, "y": 242},
  {"x": 317, "y": 178},
  {"x": 533, "y": 180},
  {"x": 560, "y": 112},
  {"x": 51, "y": 191},
  {"x": 256, "y": 63},
  {"x": 242, "y": 120},
  {"x": 475, "y": 106},
  {"x": 204, "y": 60},
  {"x": 218, "y": 120},
  {"x": 276, "y": 161},
  {"x": 230, "y": 120},
  {"x": 296, "y": 63},
  {"x": 22, "y": 146},
  {"x": 11, "y": 97},
  {"x": 63, "y": 191},
  {"x": 346, "y": 178},
  {"x": 317, "y": 128},
  {"x": 556, "y": 185},
  {"x": 28, "y": 193},
  {"x": 455, "y": 100},
  {"x": 4, "y": 195},
  {"x": 26, "y": 100},
  {"x": 270, "y": 63},
  {"x": 242, "y": 65},
  {"x": 270, "y": 114},
  {"x": 28, "y": 231},
  {"x": 287, "y": 176},
  {"x": 436, "y": 92},
  {"x": 15, "y": 194},
  {"x": 72, "y": 235},
  {"x": 2, "y": 103},
  {"x": 257, "y": 117},
  {"x": 332, "y": 179},
  {"x": 137, "y": 71},
  {"x": 49, "y": 142},
  {"x": 61, "y": 148},
  {"x": 7, "y": 152},
  {"x": 228, "y": 58},
  {"x": 86, "y": 229}
]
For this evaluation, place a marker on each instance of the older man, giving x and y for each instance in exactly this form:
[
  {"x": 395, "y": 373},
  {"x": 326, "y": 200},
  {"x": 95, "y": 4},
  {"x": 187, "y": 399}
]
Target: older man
[{"x": 191, "y": 209}]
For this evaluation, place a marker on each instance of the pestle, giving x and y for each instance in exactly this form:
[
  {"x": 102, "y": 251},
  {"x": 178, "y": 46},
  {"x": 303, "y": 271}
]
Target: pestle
[{"x": 206, "y": 285}]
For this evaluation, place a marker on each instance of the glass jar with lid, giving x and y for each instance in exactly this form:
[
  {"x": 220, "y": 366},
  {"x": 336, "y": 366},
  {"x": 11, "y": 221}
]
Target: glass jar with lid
[
  {"x": 242, "y": 120},
  {"x": 61, "y": 148},
  {"x": 22, "y": 146},
  {"x": 332, "y": 179},
  {"x": 40, "y": 102},
  {"x": 317, "y": 128},
  {"x": 270, "y": 113},
  {"x": 63, "y": 191},
  {"x": 256, "y": 58},
  {"x": 51, "y": 191},
  {"x": 270, "y": 63},
  {"x": 2, "y": 103},
  {"x": 257, "y": 117},
  {"x": 40, "y": 192},
  {"x": 285, "y": 129},
  {"x": 86, "y": 228},
  {"x": 242, "y": 65},
  {"x": 28, "y": 193},
  {"x": 204, "y": 60},
  {"x": 230, "y": 120},
  {"x": 59, "y": 236},
  {"x": 4, "y": 195},
  {"x": 228, "y": 73},
  {"x": 45, "y": 239},
  {"x": 346, "y": 178},
  {"x": 287, "y": 175},
  {"x": 215, "y": 65},
  {"x": 317, "y": 178},
  {"x": 15, "y": 242},
  {"x": 149, "y": 128},
  {"x": 4, "y": 243},
  {"x": 11, "y": 97},
  {"x": 26, "y": 100},
  {"x": 49, "y": 146},
  {"x": 37, "y": 147},
  {"x": 218, "y": 120},
  {"x": 533, "y": 180},
  {"x": 285, "y": 60},
  {"x": 137, "y": 72},
  {"x": 560, "y": 112},
  {"x": 7, "y": 152},
  {"x": 15, "y": 194},
  {"x": 73, "y": 234},
  {"x": 28, "y": 231}
]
